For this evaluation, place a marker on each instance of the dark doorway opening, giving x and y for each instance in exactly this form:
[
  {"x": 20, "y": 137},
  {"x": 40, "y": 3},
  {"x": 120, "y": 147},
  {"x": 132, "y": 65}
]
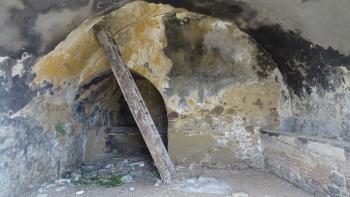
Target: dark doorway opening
[{"x": 123, "y": 135}]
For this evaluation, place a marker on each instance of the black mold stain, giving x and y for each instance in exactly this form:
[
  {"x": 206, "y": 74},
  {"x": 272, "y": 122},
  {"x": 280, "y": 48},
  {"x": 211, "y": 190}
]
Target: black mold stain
[
  {"x": 192, "y": 50},
  {"x": 46, "y": 87},
  {"x": 15, "y": 92},
  {"x": 17, "y": 96},
  {"x": 92, "y": 82},
  {"x": 79, "y": 109},
  {"x": 303, "y": 64},
  {"x": 198, "y": 67},
  {"x": 222, "y": 9},
  {"x": 265, "y": 62}
]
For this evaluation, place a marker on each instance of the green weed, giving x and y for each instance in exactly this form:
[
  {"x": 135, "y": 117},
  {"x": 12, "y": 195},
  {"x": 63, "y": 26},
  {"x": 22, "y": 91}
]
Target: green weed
[{"x": 60, "y": 128}]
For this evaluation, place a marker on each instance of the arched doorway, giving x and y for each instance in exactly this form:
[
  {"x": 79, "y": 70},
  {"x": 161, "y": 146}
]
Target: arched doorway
[
  {"x": 111, "y": 130},
  {"x": 123, "y": 135}
]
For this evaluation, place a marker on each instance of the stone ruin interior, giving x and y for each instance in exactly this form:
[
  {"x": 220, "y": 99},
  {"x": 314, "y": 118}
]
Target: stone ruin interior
[{"x": 250, "y": 98}]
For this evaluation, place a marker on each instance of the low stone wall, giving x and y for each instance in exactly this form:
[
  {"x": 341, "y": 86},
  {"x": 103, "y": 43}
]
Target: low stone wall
[{"x": 316, "y": 167}]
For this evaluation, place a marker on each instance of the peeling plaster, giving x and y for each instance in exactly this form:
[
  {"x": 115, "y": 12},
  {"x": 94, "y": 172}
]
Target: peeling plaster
[{"x": 149, "y": 50}]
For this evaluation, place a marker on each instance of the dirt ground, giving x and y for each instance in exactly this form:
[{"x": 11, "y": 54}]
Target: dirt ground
[
  {"x": 104, "y": 178},
  {"x": 253, "y": 182}
]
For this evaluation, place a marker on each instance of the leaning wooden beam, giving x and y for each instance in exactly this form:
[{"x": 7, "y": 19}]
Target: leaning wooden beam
[{"x": 135, "y": 102}]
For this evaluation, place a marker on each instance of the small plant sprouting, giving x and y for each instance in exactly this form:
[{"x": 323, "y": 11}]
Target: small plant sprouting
[
  {"x": 60, "y": 128},
  {"x": 114, "y": 181}
]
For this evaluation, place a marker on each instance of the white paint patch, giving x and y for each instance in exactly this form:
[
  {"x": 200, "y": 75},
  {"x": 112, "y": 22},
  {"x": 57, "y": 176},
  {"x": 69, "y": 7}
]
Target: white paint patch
[
  {"x": 2, "y": 72},
  {"x": 220, "y": 25},
  {"x": 3, "y": 58},
  {"x": 18, "y": 69}
]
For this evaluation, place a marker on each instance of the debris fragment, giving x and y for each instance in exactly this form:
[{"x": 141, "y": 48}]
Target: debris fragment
[
  {"x": 76, "y": 176},
  {"x": 158, "y": 182},
  {"x": 137, "y": 164},
  {"x": 41, "y": 190},
  {"x": 60, "y": 188},
  {"x": 179, "y": 168},
  {"x": 63, "y": 181},
  {"x": 108, "y": 166},
  {"x": 48, "y": 186},
  {"x": 131, "y": 189},
  {"x": 127, "y": 179},
  {"x": 80, "y": 192}
]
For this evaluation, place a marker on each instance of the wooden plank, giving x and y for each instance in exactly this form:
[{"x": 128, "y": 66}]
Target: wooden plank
[{"x": 136, "y": 103}]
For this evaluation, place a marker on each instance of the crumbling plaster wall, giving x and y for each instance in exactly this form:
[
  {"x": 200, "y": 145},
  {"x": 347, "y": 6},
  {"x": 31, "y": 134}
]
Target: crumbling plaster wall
[
  {"x": 307, "y": 40},
  {"x": 219, "y": 88}
]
